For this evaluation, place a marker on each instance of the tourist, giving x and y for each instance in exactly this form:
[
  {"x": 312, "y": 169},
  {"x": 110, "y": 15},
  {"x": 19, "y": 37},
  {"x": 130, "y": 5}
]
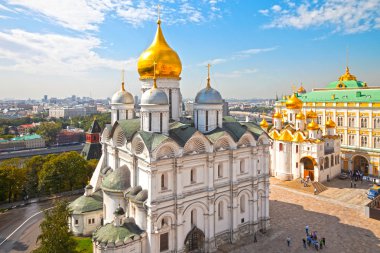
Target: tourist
[
  {"x": 304, "y": 242},
  {"x": 307, "y": 229},
  {"x": 308, "y": 240},
  {"x": 288, "y": 241},
  {"x": 316, "y": 245},
  {"x": 324, "y": 242},
  {"x": 320, "y": 244}
]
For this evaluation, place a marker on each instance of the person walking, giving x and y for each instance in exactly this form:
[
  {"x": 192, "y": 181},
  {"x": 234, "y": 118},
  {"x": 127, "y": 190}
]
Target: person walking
[
  {"x": 307, "y": 229},
  {"x": 304, "y": 242},
  {"x": 308, "y": 240},
  {"x": 288, "y": 241},
  {"x": 324, "y": 242}
]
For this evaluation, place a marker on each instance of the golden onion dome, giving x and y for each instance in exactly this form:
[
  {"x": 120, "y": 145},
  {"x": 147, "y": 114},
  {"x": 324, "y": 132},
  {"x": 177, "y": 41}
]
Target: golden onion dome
[
  {"x": 300, "y": 116},
  {"x": 312, "y": 125},
  {"x": 347, "y": 76},
  {"x": 168, "y": 63},
  {"x": 274, "y": 134},
  {"x": 311, "y": 115},
  {"x": 286, "y": 135},
  {"x": 301, "y": 90},
  {"x": 330, "y": 124},
  {"x": 298, "y": 137},
  {"x": 277, "y": 115},
  {"x": 264, "y": 123},
  {"x": 294, "y": 102}
]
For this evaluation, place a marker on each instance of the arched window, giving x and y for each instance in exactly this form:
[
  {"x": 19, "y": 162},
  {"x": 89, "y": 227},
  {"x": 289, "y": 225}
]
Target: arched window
[
  {"x": 242, "y": 204},
  {"x": 220, "y": 210},
  {"x": 332, "y": 160},
  {"x": 220, "y": 170},
  {"x": 164, "y": 181},
  {"x": 297, "y": 149},
  {"x": 242, "y": 166},
  {"x": 281, "y": 147},
  {"x": 193, "y": 176},
  {"x": 193, "y": 217}
]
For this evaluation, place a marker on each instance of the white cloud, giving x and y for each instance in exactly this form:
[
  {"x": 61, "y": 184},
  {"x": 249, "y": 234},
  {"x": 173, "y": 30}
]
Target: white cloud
[
  {"x": 53, "y": 54},
  {"x": 276, "y": 8},
  {"x": 346, "y": 16},
  {"x": 80, "y": 15},
  {"x": 264, "y": 12},
  {"x": 213, "y": 62},
  {"x": 253, "y": 51}
]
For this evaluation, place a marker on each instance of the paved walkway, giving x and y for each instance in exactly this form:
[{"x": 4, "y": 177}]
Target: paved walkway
[{"x": 342, "y": 224}]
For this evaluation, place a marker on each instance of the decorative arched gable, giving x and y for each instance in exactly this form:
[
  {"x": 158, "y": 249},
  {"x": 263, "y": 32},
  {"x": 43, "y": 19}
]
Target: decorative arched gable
[
  {"x": 247, "y": 140},
  {"x": 168, "y": 149},
  {"x": 224, "y": 142},
  {"x": 197, "y": 144},
  {"x": 118, "y": 137},
  {"x": 263, "y": 139},
  {"x": 106, "y": 135},
  {"x": 138, "y": 146}
]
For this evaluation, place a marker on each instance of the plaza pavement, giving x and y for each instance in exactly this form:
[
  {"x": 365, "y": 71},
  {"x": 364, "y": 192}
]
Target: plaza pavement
[{"x": 341, "y": 222}]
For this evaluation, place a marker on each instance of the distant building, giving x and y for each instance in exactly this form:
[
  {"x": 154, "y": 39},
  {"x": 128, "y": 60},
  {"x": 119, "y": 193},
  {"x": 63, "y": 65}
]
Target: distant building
[
  {"x": 92, "y": 149},
  {"x": 37, "y": 109},
  {"x": 70, "y": 112},
  {"x": 226, "y": 111},
  {"x": 25, "y": 128},
  {"x": 70, "y": 136},
  {"x": 189, "y": 108},
  {"x": 23, "y": 142}
]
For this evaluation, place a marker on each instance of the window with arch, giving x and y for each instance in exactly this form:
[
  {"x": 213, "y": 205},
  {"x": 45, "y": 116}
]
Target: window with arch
[
  {"x": 363, "y": 141},
  {"x": 220, "y": 170},
  {"x": 351, "y": 121},
  {"x": 341, "y": 138},
  {"x": 281, "y": 146},
  {"x": 351, "y": 139},
  {"x": 297, "y": 149},
  {"x": 220, "y": 210},
  {"x": 193, "y": 217},
  {"x": 364, "y": 122},
  {"x": 242, "y": 203},
  {"x": 193, "y": 176},
  {"x": 164, "y": 181},
  {"x": 340, "y": 121},
  {"x": 376, "y": 142},
  {"x": 376, "y": 123},
  {"x": 242, "y": 166},
  {"x": 319, "y": 120}
]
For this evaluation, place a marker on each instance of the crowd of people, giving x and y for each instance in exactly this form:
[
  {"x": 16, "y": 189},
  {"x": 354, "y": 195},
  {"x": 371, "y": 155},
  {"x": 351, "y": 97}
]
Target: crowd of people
[{"x": 311, "y": 240}]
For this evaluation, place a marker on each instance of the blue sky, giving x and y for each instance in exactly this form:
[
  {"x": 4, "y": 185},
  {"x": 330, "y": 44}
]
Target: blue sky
[{"x": 257, "y": 48}]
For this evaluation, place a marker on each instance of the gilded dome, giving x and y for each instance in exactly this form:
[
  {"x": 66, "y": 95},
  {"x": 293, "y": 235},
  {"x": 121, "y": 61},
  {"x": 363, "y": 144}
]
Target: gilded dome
[
  {"x": 311, "y": 115},
  {"x": 301, "y": 90},
  {"x": 294, "y": 102},
  {"x": 347, "y": 76},
  {"x": 330, "y": 124},
  {"x": 168, "y": 63},
  {"x": 264, "y": 123},
  {"x": 300, "y": 116},
  {"x": 277, "y": 115},
  {"x": 312, "y": 125}
]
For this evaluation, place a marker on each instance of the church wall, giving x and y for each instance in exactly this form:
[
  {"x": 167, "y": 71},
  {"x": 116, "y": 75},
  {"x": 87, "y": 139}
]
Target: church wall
[{"x": 112, "y": 201}]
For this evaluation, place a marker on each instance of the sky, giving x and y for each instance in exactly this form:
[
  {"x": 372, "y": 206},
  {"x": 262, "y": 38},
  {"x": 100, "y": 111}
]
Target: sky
[{"x": 257, "y": 48}]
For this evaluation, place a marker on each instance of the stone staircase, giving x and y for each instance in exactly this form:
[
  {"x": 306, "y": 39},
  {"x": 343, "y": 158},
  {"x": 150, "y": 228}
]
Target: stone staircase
[{"x": 320, "y": 187}]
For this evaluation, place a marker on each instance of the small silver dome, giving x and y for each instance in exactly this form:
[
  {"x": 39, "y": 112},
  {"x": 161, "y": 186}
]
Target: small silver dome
[
  {"x": 154, "y": 96},
  {"x": 122, "y": 97},
  {"x": 208, "y": 95}
]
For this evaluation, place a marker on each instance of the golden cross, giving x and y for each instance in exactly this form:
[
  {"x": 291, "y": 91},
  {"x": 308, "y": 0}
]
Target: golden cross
[
  {"x": 122, "y": 80},
  {"x": 208, "y": 76}
]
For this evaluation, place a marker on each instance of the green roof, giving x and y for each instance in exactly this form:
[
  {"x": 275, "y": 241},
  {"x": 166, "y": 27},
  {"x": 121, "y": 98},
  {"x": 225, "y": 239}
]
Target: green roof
[
  {"x": 342, "y": 95},
  {"x": 27, "y": 137},
  {"x": 352, "y": 84},
  {"x": 129, "y": 126},
  {"x": 85, "y": 204},
  {"x": 118, "y": 180},
  {"x": 114, "y": 234},
  {"x": 152, "y": 140},
  {"x": 181, "y": 133}
]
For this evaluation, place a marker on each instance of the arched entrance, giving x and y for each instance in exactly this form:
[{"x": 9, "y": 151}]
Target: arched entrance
[
  {"x": 360, "y": 163},
  {"x": 194, "y": 241},
  {"x": 308, "y": 167}
]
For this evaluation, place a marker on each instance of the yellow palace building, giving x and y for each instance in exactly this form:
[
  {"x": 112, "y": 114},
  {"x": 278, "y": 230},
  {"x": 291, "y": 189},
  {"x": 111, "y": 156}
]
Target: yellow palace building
[{"x": 355, "y": 108}]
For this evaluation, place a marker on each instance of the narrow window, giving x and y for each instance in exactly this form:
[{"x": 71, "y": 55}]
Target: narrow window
[
  {"x": 220, "y": 210},
  {"x": 164, "y": 242},
  {"x": 192, "y": 176},
  {"x": 242, "y": 166},
  {"x": 193, "y": 217},
  {"x": 242, "y": 204},
  {"x": 150, "y": 121},
  {"x": 197, "y": 119},
  {"x": 76, "y": 222},
  {"x": 117, "y": 115},
  {"x": 297, "y": 165},
  {"x": 280, "y": 146},
  {"x": 163, "y": 182},
  {"x": 220, "y": 170},
  {"x": 297, "y": 149},
  {"x": 206, "y": 120},
  {"x": 170, "y": 104},
  {"x": 161, "y": 122},
  {"x": 217, "y": 118}
]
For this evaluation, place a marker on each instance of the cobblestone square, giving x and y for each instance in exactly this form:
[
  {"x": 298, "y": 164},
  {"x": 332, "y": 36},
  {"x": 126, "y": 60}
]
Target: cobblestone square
[{"x": 344, "y": 225}]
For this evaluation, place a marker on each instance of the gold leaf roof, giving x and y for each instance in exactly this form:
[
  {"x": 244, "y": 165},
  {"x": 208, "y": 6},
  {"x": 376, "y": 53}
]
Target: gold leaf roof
[
  {"x": 347, "y": 76},
  {"x": 264, "y": 123},
  {"x": 293, "y": 102},
  {"x": 168, "y": 63},
  {"x": 298, "y": 137},
  {"x": 274, "y": 134},
  {"x": 330, "y": 124},
  {"x": 277, "y": 115},
  {"x": 312, "y": 125},
  {"x": 311, "y": 115},
  {"x": 285, "y": 136},
  {"x": 300, "y": 115}
]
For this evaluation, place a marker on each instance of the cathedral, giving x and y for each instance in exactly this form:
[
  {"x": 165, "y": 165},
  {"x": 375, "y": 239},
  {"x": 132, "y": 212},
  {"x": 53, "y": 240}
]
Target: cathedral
[
  {"x": 300, "y": 149},
  {"x": 164, "y": 184}
]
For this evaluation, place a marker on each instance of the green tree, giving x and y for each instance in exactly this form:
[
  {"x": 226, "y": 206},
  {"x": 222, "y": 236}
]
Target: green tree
[
  {"x": 49, "y": 131},
  {"x": 55, "y": 236},
  {"x": 33, "y": 167},
  {"x": 12, "y": 179}
]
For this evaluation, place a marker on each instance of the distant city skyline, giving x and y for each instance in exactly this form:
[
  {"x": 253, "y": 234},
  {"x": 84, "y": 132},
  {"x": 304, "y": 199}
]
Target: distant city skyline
[{"x": 256, "y": 48}]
